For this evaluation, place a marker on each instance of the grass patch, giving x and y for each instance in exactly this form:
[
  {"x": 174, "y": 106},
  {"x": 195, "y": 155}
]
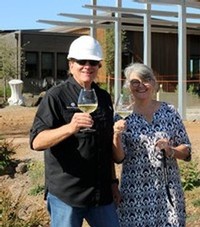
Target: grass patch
[
  {"x": 190, "y": 174},
  {"x": 192, "y": 205},
  {"x": 13, "y": 213},
  {"x": 36, "y": 174}
]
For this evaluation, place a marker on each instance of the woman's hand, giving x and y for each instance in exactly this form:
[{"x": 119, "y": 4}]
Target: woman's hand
[
  {"x": 118, "y": 152},
  {"x": 164, "y": 144},
  {"x": 182, "y": 151},
  {"x": 119, "y": 126}
]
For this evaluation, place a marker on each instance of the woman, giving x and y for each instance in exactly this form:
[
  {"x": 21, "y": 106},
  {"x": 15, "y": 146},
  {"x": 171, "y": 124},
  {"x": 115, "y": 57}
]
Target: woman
[{"x": 148, "y": 143}]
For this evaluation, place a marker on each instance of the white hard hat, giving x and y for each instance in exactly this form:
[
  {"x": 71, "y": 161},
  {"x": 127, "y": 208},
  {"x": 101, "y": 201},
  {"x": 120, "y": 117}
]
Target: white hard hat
[{"x": 85, "y": 47}]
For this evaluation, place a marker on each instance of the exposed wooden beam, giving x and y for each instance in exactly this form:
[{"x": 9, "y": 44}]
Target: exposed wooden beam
[
  {"x": 75, "y": 24},
  {"x": 189, "y": 3}
]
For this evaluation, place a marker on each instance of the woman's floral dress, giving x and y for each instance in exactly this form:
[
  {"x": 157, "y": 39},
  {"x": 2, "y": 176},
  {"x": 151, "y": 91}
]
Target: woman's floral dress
[{"x": 144, "y": 182}]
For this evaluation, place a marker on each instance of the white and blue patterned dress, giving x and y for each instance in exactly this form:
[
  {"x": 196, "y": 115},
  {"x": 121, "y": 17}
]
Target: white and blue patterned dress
[{"x": 145, "y": 202}]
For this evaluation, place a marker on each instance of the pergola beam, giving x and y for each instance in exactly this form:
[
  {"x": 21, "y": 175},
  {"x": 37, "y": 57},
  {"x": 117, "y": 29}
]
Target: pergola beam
[
  {"x": 77, "y": 24},
  {"x": 182, "y": 61},
  {"x": 131, "y": 20},
  {"x": 140, "y": 11},
  {"x": 118, "y": 55},
  {"x": 193, "y": 4},
  {"x": 93, "y": 31}
]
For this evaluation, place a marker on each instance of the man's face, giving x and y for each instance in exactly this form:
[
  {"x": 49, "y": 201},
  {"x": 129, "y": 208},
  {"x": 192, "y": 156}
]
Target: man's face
[{"x": 84, "y": 71}]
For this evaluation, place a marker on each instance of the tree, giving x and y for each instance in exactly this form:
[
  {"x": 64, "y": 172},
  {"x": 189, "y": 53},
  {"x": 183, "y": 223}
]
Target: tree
[
  {"x": 8, "y": 63},
  {"x": 110, "y": 55}
]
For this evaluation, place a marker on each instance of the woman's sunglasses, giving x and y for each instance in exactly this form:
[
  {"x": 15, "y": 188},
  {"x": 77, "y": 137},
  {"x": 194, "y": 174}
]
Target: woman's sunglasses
[{"x": 83, "y": 62}]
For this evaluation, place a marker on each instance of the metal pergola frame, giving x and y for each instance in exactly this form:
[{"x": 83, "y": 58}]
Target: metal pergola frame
[{"x": 94, "y": 21}]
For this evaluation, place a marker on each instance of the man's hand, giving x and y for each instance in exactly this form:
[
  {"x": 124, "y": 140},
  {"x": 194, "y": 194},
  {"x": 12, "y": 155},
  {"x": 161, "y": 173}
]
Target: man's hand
[{"x": 81, "y": 120}]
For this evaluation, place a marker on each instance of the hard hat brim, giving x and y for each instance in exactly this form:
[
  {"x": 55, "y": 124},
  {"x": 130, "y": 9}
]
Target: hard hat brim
[{"x": 85, "y": 57}]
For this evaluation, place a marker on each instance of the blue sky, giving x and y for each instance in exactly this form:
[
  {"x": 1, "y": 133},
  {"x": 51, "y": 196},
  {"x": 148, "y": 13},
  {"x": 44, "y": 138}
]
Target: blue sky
[{"x": 23, "y": 14}]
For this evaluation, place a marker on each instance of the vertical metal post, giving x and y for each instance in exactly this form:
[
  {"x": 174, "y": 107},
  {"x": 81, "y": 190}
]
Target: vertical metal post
[
  {"x": 118, "y": 54},
  {"x": 55, "y": 76},
  {"x": 182, "y": 61},
  {"x": 93, "y": 13},
  {"x": 147, "y": 35},
  {"x": 19, "y": 55},
  {"x": 40, "y": 65}
]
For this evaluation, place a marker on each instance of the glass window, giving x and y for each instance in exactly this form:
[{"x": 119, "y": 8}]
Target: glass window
[
  {"x": 194, "y": 66},
  {"x": 31, "y": 64},
  {"x": 62, "y": 66},
  {"x": 47, "y": 65},
  {"x": 194, "y": 80}
]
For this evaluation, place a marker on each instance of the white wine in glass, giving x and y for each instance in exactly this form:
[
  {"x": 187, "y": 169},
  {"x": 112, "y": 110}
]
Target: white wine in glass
[
  {"x": 87, "y": 108},
  {"x": 87, "y": 103},
  {"x": 124, "y": 106}
]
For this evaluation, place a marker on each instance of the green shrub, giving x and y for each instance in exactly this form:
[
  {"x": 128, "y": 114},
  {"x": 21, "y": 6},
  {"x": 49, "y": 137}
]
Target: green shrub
[
  {"x": 6, "y": 150},
  {"x": 7, "y": 91},
  {"x": 37, "y": 190},
  {"x": 103, "y": 86},
  {"x": 196, "y": 203},
  {"x": 190, "y": 175}
]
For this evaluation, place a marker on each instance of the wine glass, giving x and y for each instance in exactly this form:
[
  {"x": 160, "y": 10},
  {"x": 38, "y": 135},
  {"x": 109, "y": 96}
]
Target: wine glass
[
  {"x": 87, "y": 103},
  {"x": 124, "y": 105}
]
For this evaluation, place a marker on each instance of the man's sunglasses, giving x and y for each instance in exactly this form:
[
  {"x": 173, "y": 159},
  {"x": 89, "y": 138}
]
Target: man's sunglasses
[{"x": 83, "y": 62}]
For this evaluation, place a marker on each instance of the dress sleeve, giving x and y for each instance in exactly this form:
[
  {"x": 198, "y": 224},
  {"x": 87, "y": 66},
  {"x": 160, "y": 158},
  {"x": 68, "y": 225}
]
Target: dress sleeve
[{"x": 181, "y": 135}]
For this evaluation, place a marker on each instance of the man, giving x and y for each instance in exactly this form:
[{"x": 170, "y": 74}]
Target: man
[{"x": 78, "y": 165}]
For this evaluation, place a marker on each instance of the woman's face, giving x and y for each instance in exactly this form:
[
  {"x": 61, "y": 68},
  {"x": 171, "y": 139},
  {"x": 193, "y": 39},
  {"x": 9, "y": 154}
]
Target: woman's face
[{"x": 141, "y": 88}]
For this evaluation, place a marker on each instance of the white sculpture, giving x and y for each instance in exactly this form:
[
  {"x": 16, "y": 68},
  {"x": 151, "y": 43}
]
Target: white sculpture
[{"x": 16, "y": 98}]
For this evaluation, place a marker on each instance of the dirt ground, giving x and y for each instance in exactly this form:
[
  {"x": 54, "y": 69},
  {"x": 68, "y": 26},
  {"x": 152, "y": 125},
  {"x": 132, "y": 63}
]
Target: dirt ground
[{"x": 15, "y": 123}]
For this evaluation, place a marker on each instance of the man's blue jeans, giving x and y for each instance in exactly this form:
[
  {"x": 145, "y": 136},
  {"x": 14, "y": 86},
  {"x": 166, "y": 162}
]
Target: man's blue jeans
[{"x": 63, "y": 215}]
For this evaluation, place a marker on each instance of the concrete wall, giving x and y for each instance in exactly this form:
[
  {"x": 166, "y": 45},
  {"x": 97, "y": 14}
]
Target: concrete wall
[{"x": 192, "y": 103}]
